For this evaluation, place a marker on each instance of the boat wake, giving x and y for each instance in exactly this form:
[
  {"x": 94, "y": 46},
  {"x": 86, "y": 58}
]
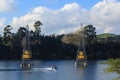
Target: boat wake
[
  {"x": 32, "y": 69},
  {"x": 44, "y": 69}
]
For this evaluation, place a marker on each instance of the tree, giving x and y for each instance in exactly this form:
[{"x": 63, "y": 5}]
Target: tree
[
  {"x": 37, "y": 25},
  {"x": 91, "y": 33},
  {"x": 113, "y": 67},
  {"x": 21, "y": 33},
  {"x": 7, "y": 31},
  {"x": 7, "y": 34},
  {"x": 1, "y": 40}
]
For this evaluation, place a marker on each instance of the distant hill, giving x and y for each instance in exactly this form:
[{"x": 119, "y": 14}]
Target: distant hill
[{"x": 105, "y": 35}]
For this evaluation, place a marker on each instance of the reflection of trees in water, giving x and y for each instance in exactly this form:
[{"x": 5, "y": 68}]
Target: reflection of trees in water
[{"x": 88, "y": 72}]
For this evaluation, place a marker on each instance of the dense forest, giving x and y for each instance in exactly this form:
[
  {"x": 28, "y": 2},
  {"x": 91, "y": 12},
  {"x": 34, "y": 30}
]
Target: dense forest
[{"x": 43, "y": 47}]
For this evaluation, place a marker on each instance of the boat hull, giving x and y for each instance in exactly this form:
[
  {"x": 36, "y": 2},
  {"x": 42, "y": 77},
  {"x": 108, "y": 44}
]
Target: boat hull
[
  {"x": 81, "y": 62},
  {"x": 27, "y": 64}
]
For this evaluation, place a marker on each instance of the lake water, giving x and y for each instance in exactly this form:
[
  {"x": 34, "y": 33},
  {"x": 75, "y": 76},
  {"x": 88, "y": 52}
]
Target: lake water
[{"x": 66, "y": 71}]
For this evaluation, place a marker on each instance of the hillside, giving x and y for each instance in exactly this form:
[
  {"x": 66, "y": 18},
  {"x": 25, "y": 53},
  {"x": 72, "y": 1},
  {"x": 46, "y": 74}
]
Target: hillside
[{"x": 105, "y": 35}]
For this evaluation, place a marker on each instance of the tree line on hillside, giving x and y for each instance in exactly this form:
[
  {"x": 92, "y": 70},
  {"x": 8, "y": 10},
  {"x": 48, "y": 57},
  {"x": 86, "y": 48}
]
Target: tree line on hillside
[{"x": 57, "y": 46}]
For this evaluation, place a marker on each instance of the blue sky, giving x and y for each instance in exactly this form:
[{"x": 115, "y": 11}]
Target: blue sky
[
  {"x": 61, "y": 16},
  {"x": 24, "y": 6}
]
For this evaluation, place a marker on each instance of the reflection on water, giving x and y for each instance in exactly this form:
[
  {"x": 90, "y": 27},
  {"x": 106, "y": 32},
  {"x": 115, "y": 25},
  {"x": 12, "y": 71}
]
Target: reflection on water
[
  {"x": 88, "y": 72},
  {"x": 66, "y": 71}
]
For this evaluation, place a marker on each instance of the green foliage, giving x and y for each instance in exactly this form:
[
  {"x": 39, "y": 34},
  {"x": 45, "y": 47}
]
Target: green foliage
[
  {"x": 7, "y": 35},
  {"x": 7, "y": 31},
  {"x": 37, "y": 25},
  {"x": 88, "y": 34},
  {"x": 21, "y": 32},
  {"x": 118, "y": 78},
  {"x": 113, "y": 67},
  {"x": 105, "y": 35},
  {"x": 91, "y": 33}
]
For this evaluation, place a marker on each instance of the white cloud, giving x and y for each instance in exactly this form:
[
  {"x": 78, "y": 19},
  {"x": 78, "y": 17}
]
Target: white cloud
[
  {"x": 7, "y": 5},
  {"x": 54, "y": 21},
  {"x": 108, "y": 29},
  {"x": 2, "y": 21},
  {"x": 105, "y": 16}
]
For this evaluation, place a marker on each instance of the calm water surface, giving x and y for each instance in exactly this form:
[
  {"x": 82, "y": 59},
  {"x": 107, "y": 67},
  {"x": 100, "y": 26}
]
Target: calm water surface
[{"x": 66, "y": 71}]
